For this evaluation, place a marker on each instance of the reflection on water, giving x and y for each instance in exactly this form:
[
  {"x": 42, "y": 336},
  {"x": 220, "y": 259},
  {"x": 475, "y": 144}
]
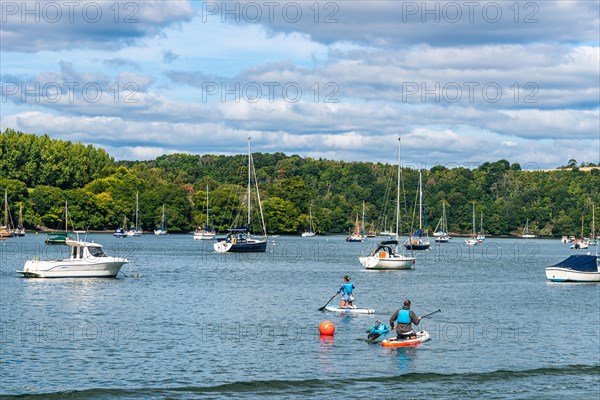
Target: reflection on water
[{"x": 405, "y": 357}]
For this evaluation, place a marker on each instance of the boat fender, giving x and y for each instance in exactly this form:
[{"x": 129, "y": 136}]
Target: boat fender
[
  {"x": 383, "y": 254},
  {"x": 404, "y": 317}
]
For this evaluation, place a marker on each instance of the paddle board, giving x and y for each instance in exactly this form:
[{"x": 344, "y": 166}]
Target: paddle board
[
  {"x": 422, "y": 336},
  {"x": 338, "y": 309}
]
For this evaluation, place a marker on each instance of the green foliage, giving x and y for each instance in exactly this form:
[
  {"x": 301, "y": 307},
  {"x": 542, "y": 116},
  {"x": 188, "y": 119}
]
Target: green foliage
[{"x": 42, "y": 173}]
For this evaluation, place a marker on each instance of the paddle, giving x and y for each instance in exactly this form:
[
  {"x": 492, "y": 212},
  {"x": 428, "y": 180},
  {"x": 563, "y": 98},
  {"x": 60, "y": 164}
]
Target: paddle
[
  {"x": 375, "y": 335},
  {"x": 322, "y": 308}
]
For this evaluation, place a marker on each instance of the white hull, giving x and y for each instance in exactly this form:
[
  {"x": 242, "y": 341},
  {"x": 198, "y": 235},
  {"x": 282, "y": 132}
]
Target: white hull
[
  {"x": 557, "y": 274},
  {"x": 388, "y": 263},
  {"x": 160, "y": 232},
  {"x": 579, "y": 246},
  {"x": 471, "y": 242},
  {"x": 442, "y": 239},
  {"x": 134, "y": 233},
  {"x": 72, "y": 269},
  {"x": 350, "y": 310},
  {"x": 204, "y": 236},
  {"x": 308, "y": 234},
  {"x": 527, "y": 236}
]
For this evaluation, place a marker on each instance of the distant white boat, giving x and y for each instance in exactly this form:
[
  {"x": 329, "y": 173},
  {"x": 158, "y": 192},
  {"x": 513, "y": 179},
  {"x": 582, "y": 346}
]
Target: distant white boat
[
  {"x": 87, "y": 260},
  {"x": 136, "y": 230},
  {"x": 162, "y": 230},
  {"x": 526, "y": 234},
  {"x": 578, "y": 268},
  {"x": 311, "y": 228},
  {"x": 208, "y": 232},
  {"x": 441, "y": 230},
  {"x": 472, "y": 241}
]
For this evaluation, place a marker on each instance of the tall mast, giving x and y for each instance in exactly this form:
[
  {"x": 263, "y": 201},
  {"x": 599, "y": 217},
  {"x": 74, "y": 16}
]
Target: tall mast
[
  {"x": 6, "y": 208},
  {"x": 137, "y": 209},
  {"x": 207, "y": 205},
  {"x": 398, "y": 192},
  {"x": 248, "y": 193},
  {"x": 473, "y": 219},
  {"x": 66, "y": 217},
  {"x": 420, "y": 202}
]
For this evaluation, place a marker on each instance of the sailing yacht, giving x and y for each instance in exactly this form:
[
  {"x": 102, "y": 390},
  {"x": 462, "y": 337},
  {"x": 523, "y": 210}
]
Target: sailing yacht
[
  {"x": 415, "y": 240},
  {"x": 208, "y": 232},
  {"x": 6, "y": 230},
  {"x": 136, "y": 230},
  {"x": 240, "y": 239},
  {"x": 386, "y": 255},
  {"x": 441, "y": 230},
  {"x": 472, "y": 241},
  {"x": 20, "y": 230},
  {"x": 526, "y": 233},
  {"x": 359, "y": 232},
  {"x": 311, "y": 228},
  {"x": 481, "y": 235},
  {"x": 162, "y": 229},
  {"x": 60, "y": 237},
  {"x": 121, "y": 232}
]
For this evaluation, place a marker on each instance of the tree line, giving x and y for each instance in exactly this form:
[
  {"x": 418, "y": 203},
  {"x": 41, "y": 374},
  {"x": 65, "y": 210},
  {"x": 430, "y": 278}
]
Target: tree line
[{"x": 40, "y": 173}]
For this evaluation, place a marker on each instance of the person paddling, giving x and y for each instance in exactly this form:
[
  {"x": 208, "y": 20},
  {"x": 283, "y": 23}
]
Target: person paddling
[
  {"x": 404, "y": 318},
  {"x": 346, "y": 290}
]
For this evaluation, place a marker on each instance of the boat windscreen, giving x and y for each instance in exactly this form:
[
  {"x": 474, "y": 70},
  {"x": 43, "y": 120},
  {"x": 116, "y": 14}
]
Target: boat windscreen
[
  {"x": 96, "y": 251},
  {"x": 580, "y": 262}
]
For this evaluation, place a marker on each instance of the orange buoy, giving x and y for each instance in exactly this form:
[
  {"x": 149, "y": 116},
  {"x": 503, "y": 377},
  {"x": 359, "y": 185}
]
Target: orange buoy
[{"x": 327, "y": 328}]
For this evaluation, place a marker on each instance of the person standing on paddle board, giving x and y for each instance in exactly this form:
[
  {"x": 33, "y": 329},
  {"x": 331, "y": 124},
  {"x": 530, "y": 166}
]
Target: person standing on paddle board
[
  {"x": 404, "y": 318},
  {"x": 346, "y": 290}
]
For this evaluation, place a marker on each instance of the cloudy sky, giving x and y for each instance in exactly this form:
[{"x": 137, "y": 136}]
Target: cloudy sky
[{"x": 462, "y": 82}]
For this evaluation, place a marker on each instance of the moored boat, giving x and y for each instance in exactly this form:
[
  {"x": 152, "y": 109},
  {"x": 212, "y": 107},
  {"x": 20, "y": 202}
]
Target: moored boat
[
  {"x": 576, "y": 268},
  {"x": 87, "y": 260},
  {"x": 241, "y": 240}
]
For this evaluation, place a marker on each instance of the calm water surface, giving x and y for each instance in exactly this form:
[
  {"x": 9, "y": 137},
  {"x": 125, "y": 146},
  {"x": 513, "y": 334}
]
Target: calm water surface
[{"x": 197, "y": 324}]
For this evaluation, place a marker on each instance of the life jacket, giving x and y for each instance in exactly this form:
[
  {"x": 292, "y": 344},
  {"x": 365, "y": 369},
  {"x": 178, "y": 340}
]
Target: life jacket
[
  {"x": 404, "y": 317},
  {"x": 347, "y": 288}
]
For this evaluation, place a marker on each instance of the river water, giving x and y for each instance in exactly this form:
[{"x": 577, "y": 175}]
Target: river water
[{"x": 183, "y": 322}]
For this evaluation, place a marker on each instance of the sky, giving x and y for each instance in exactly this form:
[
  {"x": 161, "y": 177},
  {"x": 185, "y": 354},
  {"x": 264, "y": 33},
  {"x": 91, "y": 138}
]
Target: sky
[{"x": 461, "y": 82}]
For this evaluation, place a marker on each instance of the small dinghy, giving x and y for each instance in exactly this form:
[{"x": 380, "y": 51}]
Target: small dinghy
[
  {"x": 578, "y": 268},
  {"x": 341, "y": 310},
  {"x": 421, "y": 337}
]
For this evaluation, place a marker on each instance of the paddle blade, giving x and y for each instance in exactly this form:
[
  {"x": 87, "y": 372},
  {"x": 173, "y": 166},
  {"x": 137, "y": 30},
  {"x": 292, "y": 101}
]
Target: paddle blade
[{"x": 374, "y": 335}]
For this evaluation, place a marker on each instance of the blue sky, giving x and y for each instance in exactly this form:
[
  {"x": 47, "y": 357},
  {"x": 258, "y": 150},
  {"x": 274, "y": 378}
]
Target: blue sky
[{"x": 462, "y": 82}]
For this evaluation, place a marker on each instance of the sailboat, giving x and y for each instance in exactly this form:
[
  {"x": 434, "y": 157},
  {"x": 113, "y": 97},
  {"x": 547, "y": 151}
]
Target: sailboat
[
  {"x": 311, "y": 228},
  {"x": 136, "y": 230},
  {"x": 60, "y": 237},
  {"x": 386, "y": 255},
  {"x": 359, "y": 232},
  {"x": 526, "y": 233},
  {"x": 240, "y": 239},
  {"x": 441, "y": 230},
  {"x": 121, "y": 232},
  {"x": 581, "y": 243},
  {"x": 481, "y": 235},
  {"x": 208, "y": 232},
  {"x": 386, "y": 231},
  {"x": 162, "y": 229},
  {"x": 593, "y": 238},
  {"x": 415, "y": 240},
  {"x": 6, "y": 230},
  {"x": 472, "y": 241},
  {"x": 20, "y": 230}
]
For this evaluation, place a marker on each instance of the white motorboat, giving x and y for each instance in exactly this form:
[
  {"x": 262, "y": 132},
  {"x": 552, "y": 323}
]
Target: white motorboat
[
  {"x": 577, "y": 268},
  {"x": 87, "y": 260}
]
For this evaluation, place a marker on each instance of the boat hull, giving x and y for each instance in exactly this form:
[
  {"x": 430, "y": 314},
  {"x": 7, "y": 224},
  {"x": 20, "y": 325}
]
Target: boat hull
[
  {"x": 72, "y": 269},
  {"x": 556, "y": 274},
  {"x": 411, "y": 246},
  {"x": 340, "y": 310},
  {"x": 389, "y": 263},
  {"x": 204, "y": 236},
  {"x": 241, "y": 247},
  {"x": 422, "y": 336}
]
